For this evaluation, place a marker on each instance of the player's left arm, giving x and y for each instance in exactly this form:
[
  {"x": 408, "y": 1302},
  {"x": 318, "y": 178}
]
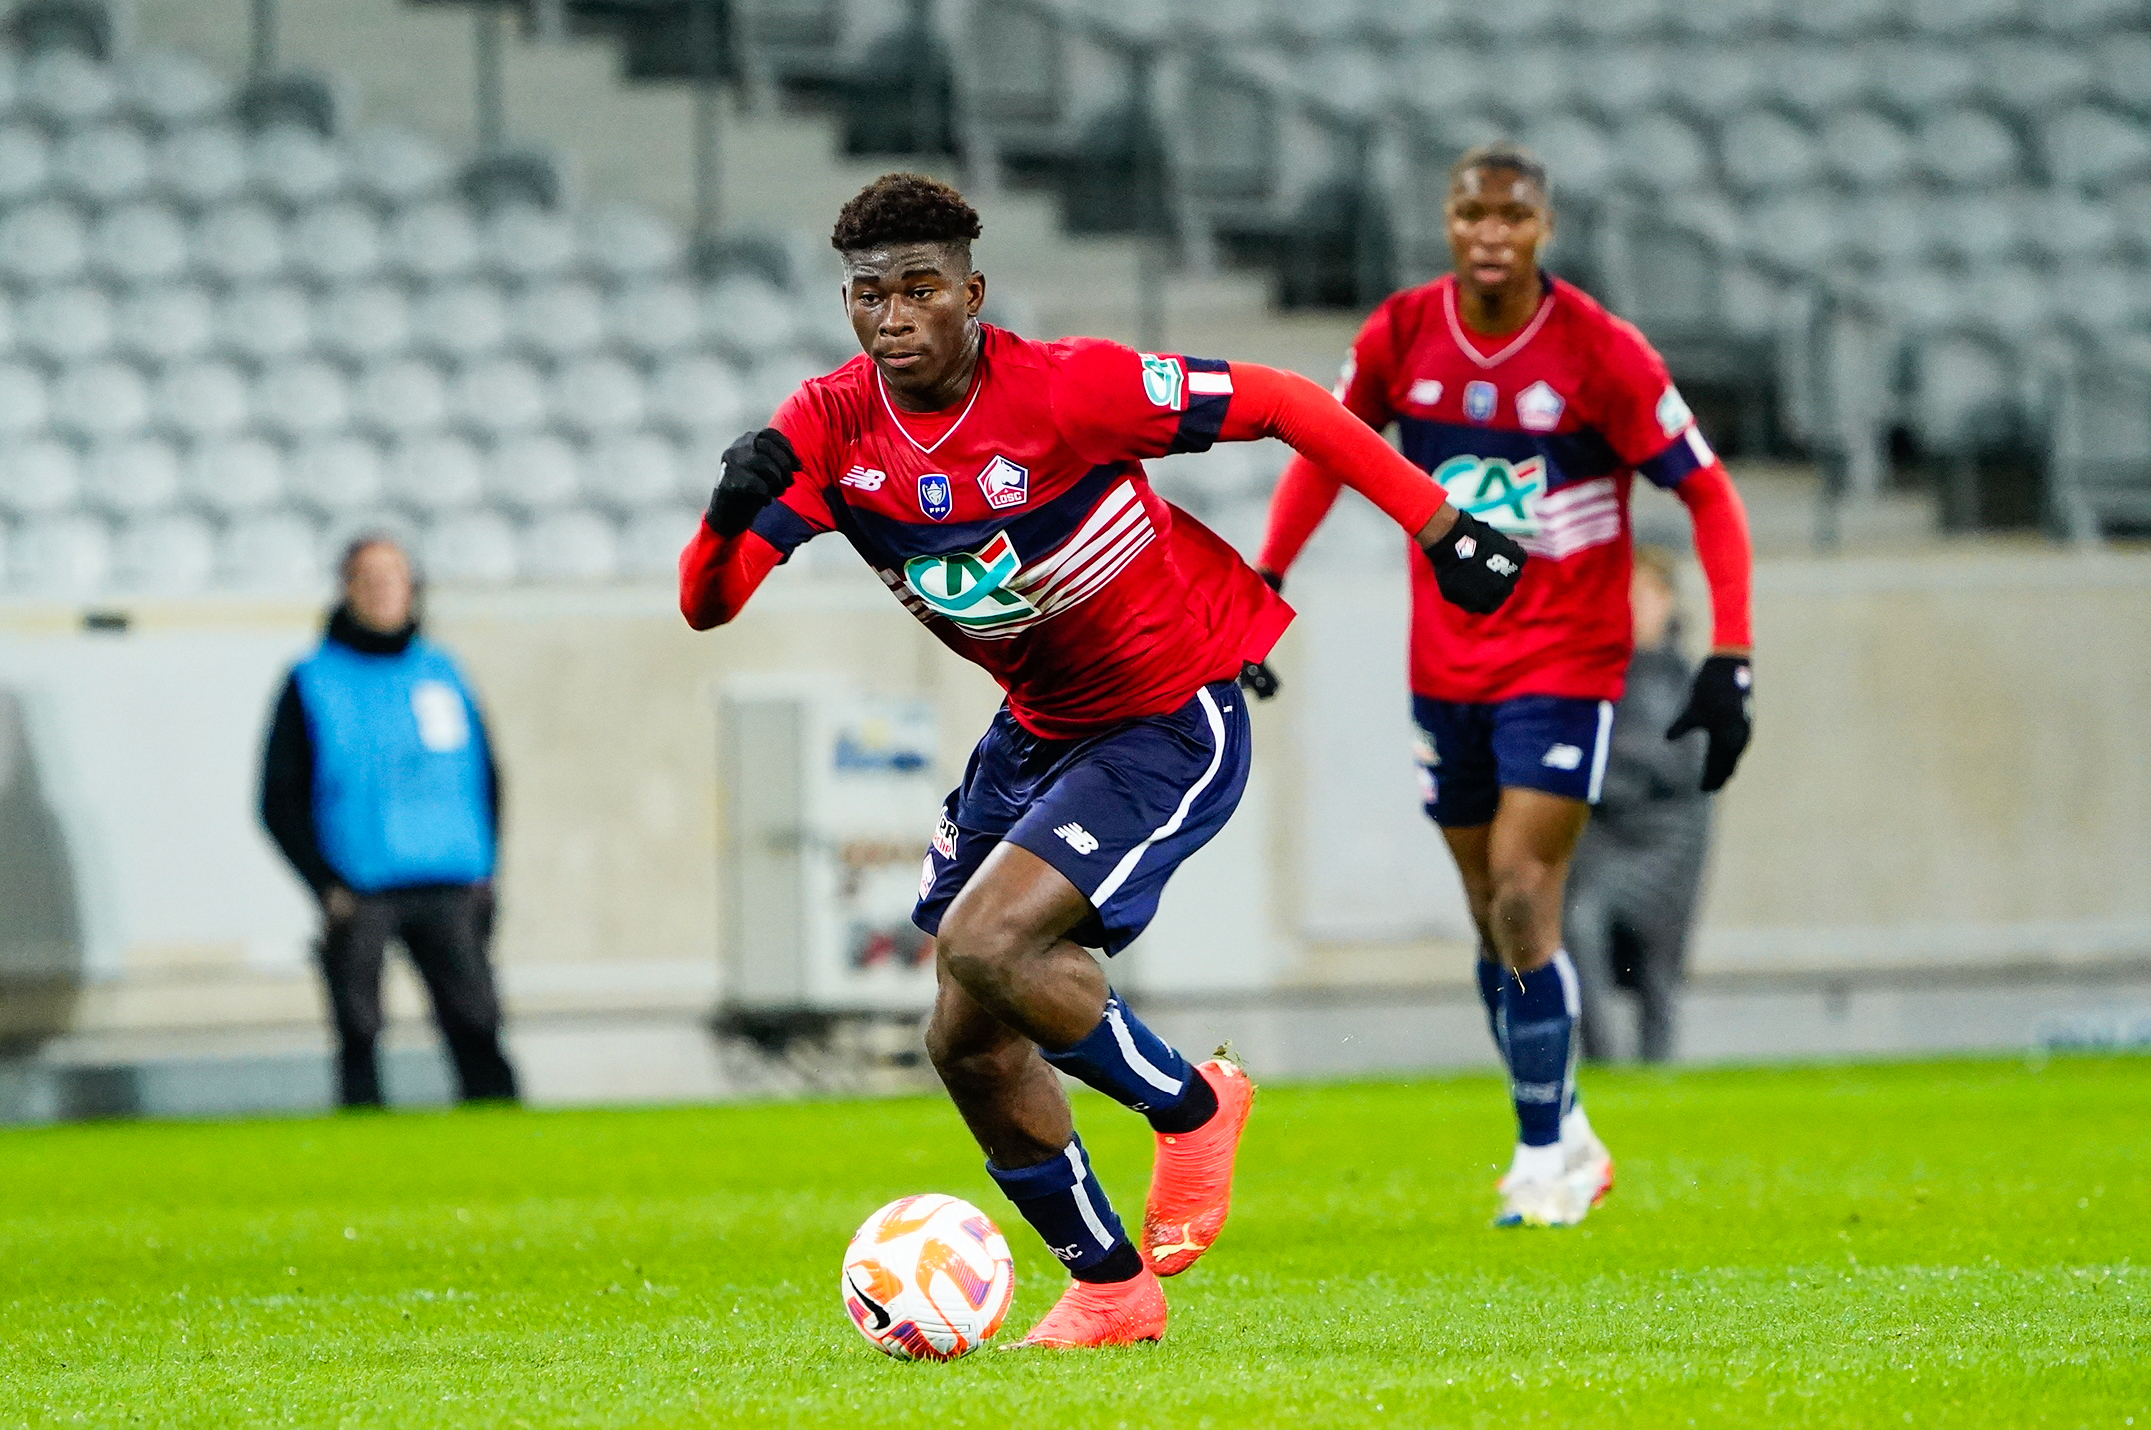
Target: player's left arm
[
  {"x": 1113, "y": 404},
  {"x": 1651, "y": 426}
]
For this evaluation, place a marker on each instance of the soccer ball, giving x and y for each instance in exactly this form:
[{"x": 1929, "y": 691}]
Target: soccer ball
[{"x": 928, "y": 1278}]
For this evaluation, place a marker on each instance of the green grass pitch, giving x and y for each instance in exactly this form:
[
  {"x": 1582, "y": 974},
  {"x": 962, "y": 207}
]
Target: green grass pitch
[{"x": 1937, "y": 1244}]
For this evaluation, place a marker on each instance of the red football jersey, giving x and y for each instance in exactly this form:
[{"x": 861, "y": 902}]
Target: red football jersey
[
  {"x": 1540, "y": 435},
  {"x": 1019, "y": 526}
]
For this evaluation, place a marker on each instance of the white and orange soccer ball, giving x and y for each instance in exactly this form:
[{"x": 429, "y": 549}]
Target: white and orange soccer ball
[{"x": 928, "y": 1278}]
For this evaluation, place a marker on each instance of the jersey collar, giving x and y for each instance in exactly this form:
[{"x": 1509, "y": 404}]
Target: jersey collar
[
  {"x": 978, "y": 385},
  {"x": 1531, "y": 329}
]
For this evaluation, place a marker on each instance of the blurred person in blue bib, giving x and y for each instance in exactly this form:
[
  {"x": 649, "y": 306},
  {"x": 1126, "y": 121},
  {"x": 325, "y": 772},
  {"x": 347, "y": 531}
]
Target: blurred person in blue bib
[
  {"x": 1639, "y": 867},
  {"x": 378, "y": 783}
]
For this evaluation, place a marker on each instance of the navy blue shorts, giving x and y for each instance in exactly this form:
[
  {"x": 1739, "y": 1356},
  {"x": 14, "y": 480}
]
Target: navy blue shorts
[
  {"x": 1469, "y": 753},
  {"x": 1116, "y": 813}
]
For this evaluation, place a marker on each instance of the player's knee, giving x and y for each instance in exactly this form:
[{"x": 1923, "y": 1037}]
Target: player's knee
[
  {"x": 967, "y": 1063},
  {"x": 1522, "y": 888},
  {"x": 979, "y": 950}
]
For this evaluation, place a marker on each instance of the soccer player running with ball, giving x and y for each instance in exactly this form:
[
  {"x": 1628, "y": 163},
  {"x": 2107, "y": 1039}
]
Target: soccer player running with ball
[
  {"x": 1534, "y": 408},
  {"x": 995, "y": 486}
]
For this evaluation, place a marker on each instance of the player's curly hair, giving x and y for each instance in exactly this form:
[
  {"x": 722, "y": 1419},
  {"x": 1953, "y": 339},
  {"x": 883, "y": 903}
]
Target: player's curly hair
[
  {"x": 904, "y": 208},
  {"x": 1503, "y": 154}
]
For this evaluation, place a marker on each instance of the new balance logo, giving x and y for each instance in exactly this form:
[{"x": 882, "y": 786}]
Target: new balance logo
[
  {"x": 1079, "y": 839},
  {"x": 1563, "y": 757},
  {"x": 866, "y": 479}
]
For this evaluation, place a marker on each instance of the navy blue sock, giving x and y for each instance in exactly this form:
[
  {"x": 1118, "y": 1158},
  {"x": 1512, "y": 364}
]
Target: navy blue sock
[
  {"x": 1136, "y": 1068},
  {"x": 1538, "y": 1016},
  {"x": 1491, "y": 976},
  {"x": 1061, "y": 1198}
]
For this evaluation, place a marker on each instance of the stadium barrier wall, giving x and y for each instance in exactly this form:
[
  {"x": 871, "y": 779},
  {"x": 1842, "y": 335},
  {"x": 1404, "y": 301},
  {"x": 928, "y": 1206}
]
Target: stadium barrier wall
[{"x": 1950, "y": 790}]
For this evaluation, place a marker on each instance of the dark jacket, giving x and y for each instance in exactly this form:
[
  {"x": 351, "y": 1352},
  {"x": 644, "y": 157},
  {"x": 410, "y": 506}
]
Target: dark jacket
[
  {"x": 1654, "y": 786},
  {"x": 287, "y": 777}
]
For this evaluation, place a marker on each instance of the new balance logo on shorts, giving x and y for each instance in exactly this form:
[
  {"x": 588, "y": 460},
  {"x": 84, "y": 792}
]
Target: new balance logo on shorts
[
  {"x": 1079, "y": 839},
  {"x": 1563, "y": 757}
]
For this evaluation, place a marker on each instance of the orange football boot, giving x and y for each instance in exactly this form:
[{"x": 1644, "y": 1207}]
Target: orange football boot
[
  {"x": 1191, "y": 1180},
  {"x": 1116, "y": 1313}
]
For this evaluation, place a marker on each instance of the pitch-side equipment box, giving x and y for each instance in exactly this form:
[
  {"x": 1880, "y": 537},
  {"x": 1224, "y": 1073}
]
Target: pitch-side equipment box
[{"x": 831, "y": 798}]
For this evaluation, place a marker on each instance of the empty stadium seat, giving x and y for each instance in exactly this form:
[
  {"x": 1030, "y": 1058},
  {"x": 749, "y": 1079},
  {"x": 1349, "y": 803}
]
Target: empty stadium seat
[
  {"x": 139, "y": 243},
  {"x": 363, "y": 323},
  {"x": 170, "y": 89},
  {"x": 303, "y": 399},
  {"x": 165, "y": 323},
  {"x": 1844, "y": 19},
  {"x": 25, "y": 402},
  {"x": 1868, "y": 149},
  {"x": 39, "y": 477},
  {"x": 2091, "y": 146},
  {"x": 25, "y": 162},
  {"x": 293, "y": 165},
  {"x": 697, "y": 393},
  {"x": 473, "y": 548},
  {"x": 651, "y": 540},
  {"x": 556, "y": 320},
  {"x": 66, "y": 89},
  {"x": 42, "y": 243},
  {"x": 435, "y": 473},
  {"x": 2122, "y": 64},
  {"x": 166, "y": 554},
  {"x": 459, "y": 320},
  {"x": 633, "y": 470},
  {"x": 397, "y": 168},
  {"x": 622, "y": 244},
  {"x": 597, "y": 396},
  {"x": 528, "y": 243},
  {"x": 271, "y": 551},
  {"x": 1766, "y": 152},
  {"x": 2064, "y": 225},
  {"x": 1800, "y": 231},
  {"x": 434, "y": 241},
  {"x": 534, "y": 473},
  {"x": 131, "y": 475},
  {"x": 235, "y": 476},
  {"x": 1969, "y": 148},
  {"x": 2029, "y": 74},
  {"x": 654, "y": 319},
  {"x": 338, "y": 241},
  {"x": 1663, "y": 154},
  {"x": 204, "y": 164},
  {"x": 1917, "y": 78},
  {"x": 202, "y": 399},
  {"x": 572, "y": 545},
  {"x": 743, "y": 316},
  {"x": 60, "y": 556},
  {"x": 1812, "y": 79},
  {"x": 65, "y": 323},
  {"x": 1976, "y": 227},
  {"x": 337, "y": 474},
  {"x": 1573, "y": 147},
  {"x": 240, "y": 243},
  {"x": 266, "y": 322},
  {"x": 101, "y": 398},
  {"x": 102, "y": 164},
  {"x": 1962, "y": 17},
  {"x": 498, "y": 396},
  {"x": 402, "y": 395}
]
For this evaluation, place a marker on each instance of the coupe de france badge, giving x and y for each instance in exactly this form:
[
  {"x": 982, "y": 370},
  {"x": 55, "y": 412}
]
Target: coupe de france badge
[
  {"x": 1479, "y": 399},
  {"x": 1005, "y": 484},
  {"x": 1538, "y": 408},
  {"x": 935, "y": 498}
]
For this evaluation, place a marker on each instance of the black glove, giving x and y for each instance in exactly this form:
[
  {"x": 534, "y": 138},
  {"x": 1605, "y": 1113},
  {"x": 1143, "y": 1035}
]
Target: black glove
[
  {"x": 1721, "y": 703},
  {"x": 1475, "y": 566},
  {"x": 757, "y": 469},
  {"x": 1258, "y": 680}
]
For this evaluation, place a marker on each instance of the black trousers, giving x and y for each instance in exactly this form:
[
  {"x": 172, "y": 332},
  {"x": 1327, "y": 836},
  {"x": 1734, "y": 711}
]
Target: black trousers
[{"x": 446, "y": 929}]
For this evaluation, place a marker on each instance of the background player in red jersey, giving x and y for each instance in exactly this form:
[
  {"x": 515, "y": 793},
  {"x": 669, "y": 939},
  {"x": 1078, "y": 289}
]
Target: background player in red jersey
[
  {"x": 1534, "y": 408},
  {"x": 995, "y": 485}
]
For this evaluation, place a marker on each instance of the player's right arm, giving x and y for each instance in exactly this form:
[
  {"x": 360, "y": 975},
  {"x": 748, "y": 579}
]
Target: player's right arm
[
  {"x": 758, "y": 513},
  {"x": 1306, "y": 491}
]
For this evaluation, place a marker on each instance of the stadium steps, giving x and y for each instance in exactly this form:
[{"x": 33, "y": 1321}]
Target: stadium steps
[{"x": 413, "y": 65}]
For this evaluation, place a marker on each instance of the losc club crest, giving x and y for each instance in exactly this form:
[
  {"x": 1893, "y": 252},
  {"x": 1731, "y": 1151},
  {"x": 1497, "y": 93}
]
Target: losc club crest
[
  {"x": 1479, "y": 400},
  {"x": 1005, "y": 484},
  {"x": 935, "y": 498}
]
